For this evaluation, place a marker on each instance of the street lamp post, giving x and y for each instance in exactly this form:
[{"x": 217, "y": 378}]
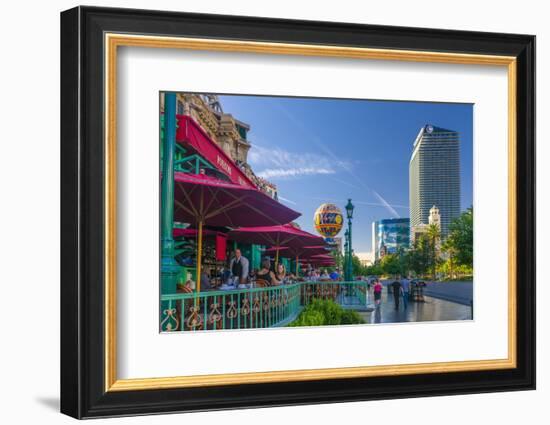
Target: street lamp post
[
  {"x": 349, "y": 211},
  {"x": 346, "y": 255}
]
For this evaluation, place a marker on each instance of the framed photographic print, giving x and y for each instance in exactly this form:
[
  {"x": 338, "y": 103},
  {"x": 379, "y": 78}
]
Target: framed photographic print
[{"x": 261, "y": 212}]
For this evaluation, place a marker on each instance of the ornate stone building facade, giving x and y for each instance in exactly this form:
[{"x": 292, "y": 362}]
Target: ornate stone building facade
[
  {"x": 229, "y": 133},
  {"x": 224, "y": 129}
]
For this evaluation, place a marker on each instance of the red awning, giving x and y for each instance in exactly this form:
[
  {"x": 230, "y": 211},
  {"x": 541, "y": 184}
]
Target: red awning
[
  {"x": 303, "y": 252},
  {"x": 190, "y": 135},
  {"x": 276, "y": 236},
  {"x": 192, "y": 233},
  {"x": 200, "y": 198}
]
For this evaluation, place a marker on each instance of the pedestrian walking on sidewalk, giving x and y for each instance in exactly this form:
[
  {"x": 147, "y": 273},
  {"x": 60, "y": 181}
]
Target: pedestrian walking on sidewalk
[
  {"x": 397, "y": 292},
  {"x": 377, "y": 292},
  {"x": 405, "y": 285}
]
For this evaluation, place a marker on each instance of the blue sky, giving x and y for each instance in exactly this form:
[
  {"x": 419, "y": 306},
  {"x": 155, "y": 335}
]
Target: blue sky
[{"x": 329, "y": 150}]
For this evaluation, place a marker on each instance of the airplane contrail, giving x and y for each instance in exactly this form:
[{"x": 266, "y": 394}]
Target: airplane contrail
[
  {"x": 388, "y": 206},
  {"x": 287, "y": 200},
  {"x": 345, "y": 166},
  {"x": 374, "y": 204}
]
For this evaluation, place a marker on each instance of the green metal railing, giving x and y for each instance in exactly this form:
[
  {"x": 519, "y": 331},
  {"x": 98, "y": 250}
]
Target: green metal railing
[
  {"x": 347, "y": 294},
  {"x": 253, "y": 308}
]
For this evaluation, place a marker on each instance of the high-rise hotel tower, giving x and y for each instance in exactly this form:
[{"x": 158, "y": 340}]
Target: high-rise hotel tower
[{"x": 434, "y": 177}]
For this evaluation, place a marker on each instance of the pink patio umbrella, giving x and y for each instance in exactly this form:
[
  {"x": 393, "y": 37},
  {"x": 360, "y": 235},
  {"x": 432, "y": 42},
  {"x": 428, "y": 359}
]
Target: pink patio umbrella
[
  {"x": 285, "y": 235},
  {"x": 298, "y": 252},
  {"x": 201, "y": 200},
  {"x": 318, "y": 261},
  {"x": 321, "y": 257},
  {"x": 325, "y": 260},
  {"x": 305, "y": 251},
  {"x": 322, "y": 260},
  {"x": 192, "y": 233}
]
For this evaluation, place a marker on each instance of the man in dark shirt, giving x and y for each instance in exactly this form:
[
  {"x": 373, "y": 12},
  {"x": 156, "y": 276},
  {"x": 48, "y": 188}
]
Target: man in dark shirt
[{"x": 397, "y": 292}]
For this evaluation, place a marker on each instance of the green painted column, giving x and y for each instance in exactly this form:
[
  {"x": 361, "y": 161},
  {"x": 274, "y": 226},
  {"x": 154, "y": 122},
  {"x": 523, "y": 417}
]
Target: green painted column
[
  {"x": 256, "y": 257},
  {"x": 169, "y": 268}
]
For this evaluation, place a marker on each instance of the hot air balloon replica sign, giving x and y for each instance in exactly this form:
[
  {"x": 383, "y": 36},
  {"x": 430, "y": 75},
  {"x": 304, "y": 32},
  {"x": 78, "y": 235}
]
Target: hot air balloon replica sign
[{"x": 328, "y": 220}]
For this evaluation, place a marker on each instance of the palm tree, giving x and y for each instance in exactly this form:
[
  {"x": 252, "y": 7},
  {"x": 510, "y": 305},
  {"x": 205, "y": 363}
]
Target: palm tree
[
  {"x": 434, "y": 235},
  {"x": 450, "y": 248}
]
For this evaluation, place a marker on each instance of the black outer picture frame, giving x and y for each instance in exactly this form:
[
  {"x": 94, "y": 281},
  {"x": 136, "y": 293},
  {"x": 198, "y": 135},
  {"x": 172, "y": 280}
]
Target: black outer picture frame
[{"x": 82, "y": 207}]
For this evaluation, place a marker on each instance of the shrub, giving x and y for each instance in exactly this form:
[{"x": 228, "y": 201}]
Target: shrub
[
  {"x": 309, "y": 318},
  {"x": 351, "y": 317},
  {"x": 326, "y": 312}
]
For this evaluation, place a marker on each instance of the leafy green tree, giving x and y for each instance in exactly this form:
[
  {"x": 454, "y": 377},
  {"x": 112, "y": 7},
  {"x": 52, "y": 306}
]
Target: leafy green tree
[
  {"x": 461, "y": 238},
  {"x": 405, "y": 258},
  {"x": 449, "y": 248},
  {"x": 391, "y": 264},
  {"x": 420, "y": 256},
  {"x": 358, "y": 268},
  {"x": 338, "y": 258},
  {"x": 374, "y": 270}
]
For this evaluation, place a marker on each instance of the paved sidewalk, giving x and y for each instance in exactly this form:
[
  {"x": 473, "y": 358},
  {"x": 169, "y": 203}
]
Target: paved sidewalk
[
  {"x": 458, "y": 292},
  {"x": 433, "y": 309}
]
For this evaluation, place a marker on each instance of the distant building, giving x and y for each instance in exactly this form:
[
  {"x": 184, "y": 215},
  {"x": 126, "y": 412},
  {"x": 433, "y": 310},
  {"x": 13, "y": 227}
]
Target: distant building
[
  {"x": 375, "y": 247},
  {"x": 418, "y": 230},
  {"x": 433, "y": 219},
  {"x": 390, "y": 235},
  {"x": 434, "y": 177},
  {"x": 383, "y": 251}
]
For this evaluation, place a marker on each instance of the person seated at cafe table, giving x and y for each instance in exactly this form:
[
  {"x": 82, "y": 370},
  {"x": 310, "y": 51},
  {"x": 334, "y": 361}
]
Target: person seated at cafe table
[
  {"x": 206, "y": 283},
  {"x": 188, "y": 286},
  {"x": 266, "y": 274},
  {"x": 239, "y": 268},
  {"x": 313, "y": 275},
  {"x": 225, "y": 275},
  {"x": 281, "y": 273}
]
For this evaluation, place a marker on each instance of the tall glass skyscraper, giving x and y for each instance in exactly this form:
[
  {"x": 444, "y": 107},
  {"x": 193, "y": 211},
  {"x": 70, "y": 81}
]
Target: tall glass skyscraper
[{"x": 434, "y": 176}]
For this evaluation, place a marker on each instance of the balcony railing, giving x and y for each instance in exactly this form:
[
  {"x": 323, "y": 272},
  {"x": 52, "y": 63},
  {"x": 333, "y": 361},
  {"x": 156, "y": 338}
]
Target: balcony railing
[{"x": 274, "y": 306}]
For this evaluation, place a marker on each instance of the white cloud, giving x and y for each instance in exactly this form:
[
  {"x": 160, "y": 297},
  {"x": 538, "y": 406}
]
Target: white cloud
[
  {"x": 332, "y": 158},
  {"x": 293, "y": 172},
  {"x": 279, "y": 163}
]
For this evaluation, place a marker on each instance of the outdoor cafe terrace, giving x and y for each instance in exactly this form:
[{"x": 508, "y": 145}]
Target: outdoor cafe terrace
[
  {"x": 203, "y": 189},
  {"x": 260, "y": 307}
]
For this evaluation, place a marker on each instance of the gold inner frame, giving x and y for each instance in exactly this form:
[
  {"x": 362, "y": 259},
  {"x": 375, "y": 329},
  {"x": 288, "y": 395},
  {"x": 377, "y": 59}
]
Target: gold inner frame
[{"x": 113, "y": 41}]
